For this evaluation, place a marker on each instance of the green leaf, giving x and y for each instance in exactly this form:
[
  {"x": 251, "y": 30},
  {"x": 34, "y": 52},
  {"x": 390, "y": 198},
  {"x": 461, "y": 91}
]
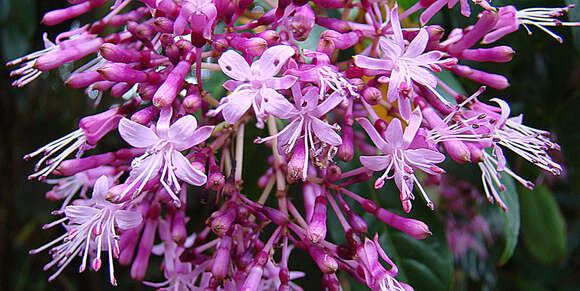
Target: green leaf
[
  {"x": 543, "y": 225},
  {"x": 511, "y": 218}
]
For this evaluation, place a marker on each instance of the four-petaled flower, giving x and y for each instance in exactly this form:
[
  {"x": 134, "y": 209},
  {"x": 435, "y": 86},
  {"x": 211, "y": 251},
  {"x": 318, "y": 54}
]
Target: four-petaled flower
[
  {"x": 304, "y": 116},
  {"x": 91, "y": 227},
  {"x": 406, "y": 63},
  {"x": 401, "y": 157},
  {"x": 253, "y": 85},
  {"x": 164, "y": 145}
]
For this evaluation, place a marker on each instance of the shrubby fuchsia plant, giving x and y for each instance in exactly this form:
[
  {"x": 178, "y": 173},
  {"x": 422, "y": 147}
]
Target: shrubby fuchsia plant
[{"x": 155, "y": 57}]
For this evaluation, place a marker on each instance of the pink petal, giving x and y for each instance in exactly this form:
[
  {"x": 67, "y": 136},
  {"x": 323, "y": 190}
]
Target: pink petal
[
  {"x": 200, "y": 135},
  {"x": 372, "y": 63},
  {"x": 374, "y": 135},
  {"x": 238, "y": 103},
  {"x": 279, "y": 106},
  {"x": 394, "y": 84},
  {"x": 396, "y": 25},
  {"x": 418, "y": 45},
  {"x": 284, "y": 82},
  {"x": 231, "y": 85},
  {"x": 291, "y": 130},
  {"x": 234, "y": 66},
  {"x": 185, "y": 171},
  {"x": 375, "y": 163},
  {"x": 330, "y": 103},
  {"x": 422, "y": 76},
  {"x": 137, "y": 135},
  {"x": 272, "y": 60},
  {"x": 325, "y": 132},
  {"x": 428, "y": 58},
  {"x": 79, "y": 214},
  {"x": 414, "y": 124},
  {"x": 127, "y": 219},
  {"x": 394, "y": 133},
  {"x": 182, "y": 130},
  {"x": 405, "y": 107},
  {"x": 101, "y": 187},
  {"x": 505, "y": 110},
  {"x": 390, "y": 48},
  {"x": 162, "y": 125},
  {"x": 501, "y": 161},
  {"x": 424, "y": 156}
]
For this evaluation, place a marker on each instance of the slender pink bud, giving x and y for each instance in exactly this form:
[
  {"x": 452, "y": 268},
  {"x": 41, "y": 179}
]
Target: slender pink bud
[
  {"x": 141, "y": 261},
  {"x": 71, "y": 167},
  {"x": 456, "y": 149},
  {"x": 297, "y": 164},
  {"x": 484, "y": 25},
  {"x": 167, "y": 92},
  {"x": 326, "y": 263},
  {"x": 498, "y": 54},
  {"x": 98, "y": 125},
  {"x": 117, "y": 54},
  {"x": 493, "y": 80},
  {"x": 330, "y": 3},
  {"x": 317, "y": 226},
  {"x": 334, "y": 24},
  {"x": 221, "y": 221},
  {"x": 119, "y": 72},
  {"x": 414, "y": 228},
  {"x": 145, "y": 115},
  {"x": 84, "y": 79},
  {"x": 372, "y": 95},
  {"x": 57, "y": 16},
  {"x": 221, "y": 262}
]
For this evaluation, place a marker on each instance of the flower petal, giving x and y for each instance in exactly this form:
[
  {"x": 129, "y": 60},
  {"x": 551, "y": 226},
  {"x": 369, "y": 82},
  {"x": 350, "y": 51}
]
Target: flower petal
[
  {"x": 390, "y": 48},
  {"x": 414, "y": 123},
  {"x": 272, "y": 61},
  {"x": 80, "y": 214},
  {"x": 505, "y": 110},
  {"x": 137, "y": 135},
  {"x": 394, "y": 84},
  {"x": 374, "y": 135},
  {"x": 422, "y": 76},
  {"x": 396, "y": 25},
  {"x": 417, "y": 45},
  {"x": 237, "y": 104},
  {"x": 182, "y": 130},
  {"x": 185, "y": 171},
  {"x": 284, "y": 82},
  {"x": 325, "y": 132},
  {"x": 199, "y": 135},
  {"x": 394, "y": 133},
  {"x": 279, "y": 106},
  {"x": 234, "y": 66},
  {"x": 332, "y": 101},
  {"x": 127, "y": 219},
  {"x": 375, "y": 163},
  {"x": 101, "y": 187},
  {"x": 372, "y": 63}
]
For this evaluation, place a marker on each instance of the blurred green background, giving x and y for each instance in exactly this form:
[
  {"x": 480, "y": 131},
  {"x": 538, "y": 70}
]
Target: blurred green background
[{"x": 545, "y": 85}]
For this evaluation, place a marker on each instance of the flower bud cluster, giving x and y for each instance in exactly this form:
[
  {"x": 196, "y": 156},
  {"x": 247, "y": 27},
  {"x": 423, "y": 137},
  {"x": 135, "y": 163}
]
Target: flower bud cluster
[{"x": 383, "y": 105}]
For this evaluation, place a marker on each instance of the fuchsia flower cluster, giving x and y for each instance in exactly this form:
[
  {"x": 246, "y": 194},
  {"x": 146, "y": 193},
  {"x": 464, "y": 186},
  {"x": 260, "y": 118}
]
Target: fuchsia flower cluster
[{"x": 153, "y": 59}]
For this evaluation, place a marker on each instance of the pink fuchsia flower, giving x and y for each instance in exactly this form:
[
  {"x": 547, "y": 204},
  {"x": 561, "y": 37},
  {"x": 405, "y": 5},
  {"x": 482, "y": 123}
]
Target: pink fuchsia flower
[
  {"x": 510, "y": 20},
  {"x": 91, "y": 227},
  {"x": 407, "y": 63},
  {"x": 399, "y": 157},
  {"x": 253, "y": 85},
  {"x": 164, "y": 144},
  {"x": 305, "y": 122}
]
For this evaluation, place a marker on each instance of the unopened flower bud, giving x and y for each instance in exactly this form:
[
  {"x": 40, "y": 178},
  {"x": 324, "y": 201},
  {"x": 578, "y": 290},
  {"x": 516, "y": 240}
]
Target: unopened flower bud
[
  {"x": 414, "y": 228},
  {"x": 317, "y": 226},
  {"x": 326, "y": 263},
  {"x": 221, "y": 262},
  {"x": 372, "y": 95}
]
